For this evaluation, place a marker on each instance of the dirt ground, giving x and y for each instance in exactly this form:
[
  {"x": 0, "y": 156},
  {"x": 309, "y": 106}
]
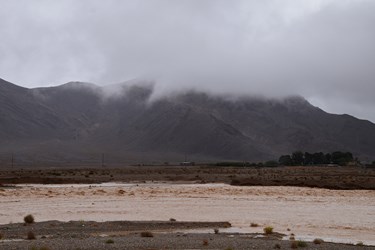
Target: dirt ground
[
  {"x": 314, "y": 176},
  {"x": 132, "y": 235}
]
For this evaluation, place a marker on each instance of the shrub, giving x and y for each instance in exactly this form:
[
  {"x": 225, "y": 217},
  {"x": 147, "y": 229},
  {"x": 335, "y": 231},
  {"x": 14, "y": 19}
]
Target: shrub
[
  {"x": 1, "y": 236},
  {"x": 318, "y": 241},
  {"x": 268, "y": 230},
  {"x": 31, "y": 235},
  {"x": 277, "y": 246},
  {"x": 147, "y": 234},
  {"x": 227, "y": 225},
  {"x": 172, "y": 219},
  {"x": 216, "y": 231},
  {"x": 29, "y": 219},
  {"x": 254, "y": 225},
  {"x": 109, "y": 241},
  {"x": 205, "y": 242},
  {"x": 301, "y": 243}
]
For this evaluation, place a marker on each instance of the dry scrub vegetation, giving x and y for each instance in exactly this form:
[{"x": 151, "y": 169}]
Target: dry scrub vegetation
[{"x": 29, "y": 219}]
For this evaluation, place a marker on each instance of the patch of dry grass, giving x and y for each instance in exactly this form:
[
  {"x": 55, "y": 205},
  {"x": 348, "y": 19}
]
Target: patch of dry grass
[
  {"x": 318, "y": 241},
  {"x": 268, "y": 230}
]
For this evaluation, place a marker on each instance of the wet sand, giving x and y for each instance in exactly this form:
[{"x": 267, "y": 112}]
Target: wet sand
[{"x": 334, "y": 215}]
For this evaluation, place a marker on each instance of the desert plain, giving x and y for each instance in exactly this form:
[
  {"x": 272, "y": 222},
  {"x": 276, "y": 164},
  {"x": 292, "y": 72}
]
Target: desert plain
[{"x": 182, "y": 207}]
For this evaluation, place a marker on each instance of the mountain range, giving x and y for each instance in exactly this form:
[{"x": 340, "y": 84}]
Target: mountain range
[{"x": 82, "y": 122}]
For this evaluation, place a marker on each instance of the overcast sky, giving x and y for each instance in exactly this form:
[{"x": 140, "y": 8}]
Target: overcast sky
[{"x": 323, "y": 50}]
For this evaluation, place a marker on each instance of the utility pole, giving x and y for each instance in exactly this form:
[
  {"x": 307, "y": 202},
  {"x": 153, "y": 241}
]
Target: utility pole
[
  {"x": 12, "y": 160},
  {"x": 103, "y": 160}
]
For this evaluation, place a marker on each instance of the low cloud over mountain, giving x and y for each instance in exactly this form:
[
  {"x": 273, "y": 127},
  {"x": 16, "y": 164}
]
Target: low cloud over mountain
[
  {"x": 320, "y": 49},
  {"x": 80, "y": 121}
]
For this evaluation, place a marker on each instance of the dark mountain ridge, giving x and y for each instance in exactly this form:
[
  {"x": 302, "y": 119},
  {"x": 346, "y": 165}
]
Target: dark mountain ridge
[{"x": 80, "y": 121}]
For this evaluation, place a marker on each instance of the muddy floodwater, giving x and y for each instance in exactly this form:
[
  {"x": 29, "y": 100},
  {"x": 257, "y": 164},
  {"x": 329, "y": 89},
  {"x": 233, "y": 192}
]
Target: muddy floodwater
[{"x": 334, "y": 215}]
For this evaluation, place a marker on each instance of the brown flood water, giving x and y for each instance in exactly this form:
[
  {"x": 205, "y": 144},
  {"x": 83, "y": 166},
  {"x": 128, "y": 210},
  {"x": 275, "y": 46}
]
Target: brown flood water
[{"x": 335, "y": 215}]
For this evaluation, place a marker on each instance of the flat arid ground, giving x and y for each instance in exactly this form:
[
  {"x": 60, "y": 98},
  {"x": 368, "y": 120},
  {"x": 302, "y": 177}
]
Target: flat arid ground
[
  {"x": 343, "y": 216},
  {"x": 314, "y": 176}
]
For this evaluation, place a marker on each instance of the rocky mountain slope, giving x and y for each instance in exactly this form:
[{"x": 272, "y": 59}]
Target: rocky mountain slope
[{"x": 80, "y": 122}]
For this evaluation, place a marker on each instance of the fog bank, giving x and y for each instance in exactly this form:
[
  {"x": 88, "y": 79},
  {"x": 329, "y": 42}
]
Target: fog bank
[{"x": 322, "y": 50}]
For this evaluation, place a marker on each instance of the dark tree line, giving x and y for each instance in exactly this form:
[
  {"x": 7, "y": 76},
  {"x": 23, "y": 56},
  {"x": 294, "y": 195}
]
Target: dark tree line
[{"x": 299, "y": 158}]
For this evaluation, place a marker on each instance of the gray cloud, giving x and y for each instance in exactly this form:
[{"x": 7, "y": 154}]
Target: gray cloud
[{"x": 320, "y": 49}]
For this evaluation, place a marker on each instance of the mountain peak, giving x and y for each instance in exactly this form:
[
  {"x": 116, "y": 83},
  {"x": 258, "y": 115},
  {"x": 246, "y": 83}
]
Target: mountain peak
[{"x": 76, "y": 120}]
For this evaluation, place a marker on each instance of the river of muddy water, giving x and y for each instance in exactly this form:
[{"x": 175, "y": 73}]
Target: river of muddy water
[{"x": 334, "y": 215}]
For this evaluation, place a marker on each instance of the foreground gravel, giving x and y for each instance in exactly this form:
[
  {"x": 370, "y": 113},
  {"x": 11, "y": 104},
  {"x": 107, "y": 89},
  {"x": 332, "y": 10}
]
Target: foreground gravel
[
  {"x": 167, "y": 241},
  {"x": 80, "y": 235}
]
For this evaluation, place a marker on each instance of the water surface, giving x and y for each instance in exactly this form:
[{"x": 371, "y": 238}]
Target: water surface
[{"x": 335, "y": 215}]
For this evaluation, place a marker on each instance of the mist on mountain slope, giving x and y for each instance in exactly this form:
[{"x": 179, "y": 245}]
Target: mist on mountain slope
[
  {"x": 78, "y": 122},
  {"x": 322, "y": 50}
]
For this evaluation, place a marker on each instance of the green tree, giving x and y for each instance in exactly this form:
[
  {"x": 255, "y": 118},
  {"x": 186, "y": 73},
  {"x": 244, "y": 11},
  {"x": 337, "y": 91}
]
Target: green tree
[
  {"x": 308, "y": 159},
  {"x": 297, "y": 158},
  {"x": 319, "y": 158},
  {"x": 285, "y": 160},
  {"x": 341, "y": 158},
  {"x": 328, "y": 159}
]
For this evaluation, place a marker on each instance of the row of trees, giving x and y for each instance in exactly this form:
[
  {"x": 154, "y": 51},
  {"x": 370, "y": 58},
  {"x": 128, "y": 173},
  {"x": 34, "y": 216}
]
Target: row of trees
[{"x": 299, "y": 158}]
